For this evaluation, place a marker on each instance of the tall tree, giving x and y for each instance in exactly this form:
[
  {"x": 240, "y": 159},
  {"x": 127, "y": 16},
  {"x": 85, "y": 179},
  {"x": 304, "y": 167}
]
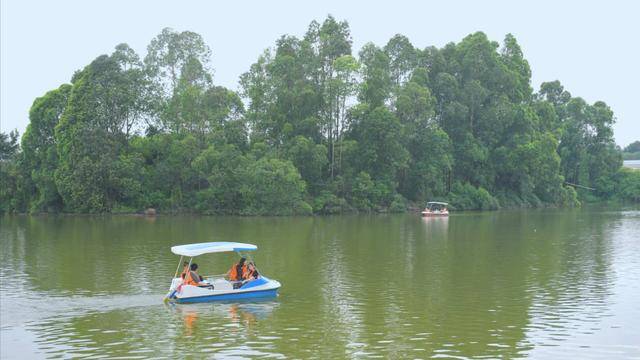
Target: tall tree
[
  {"x": 169, "y": 52},
  {"x": 39, "y": 148},
  {"x": 13, "y": 196},
  {"x": 94, "y": 174},
  {"x": 403, "y": 58}
]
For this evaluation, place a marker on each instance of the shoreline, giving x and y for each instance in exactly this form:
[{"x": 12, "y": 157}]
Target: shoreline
[{"x": 610, "y": 204}]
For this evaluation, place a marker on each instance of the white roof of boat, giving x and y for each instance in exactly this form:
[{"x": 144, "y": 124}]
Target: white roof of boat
[
  {"x": 211, "y": 247},
  {"x": 437, "y": 202}
]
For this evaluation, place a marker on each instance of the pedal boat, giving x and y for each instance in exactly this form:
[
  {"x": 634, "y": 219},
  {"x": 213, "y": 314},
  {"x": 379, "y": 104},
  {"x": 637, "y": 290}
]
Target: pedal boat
[
  {"x": 435, "y": 208},
  {"x": 216, "y": 287}
]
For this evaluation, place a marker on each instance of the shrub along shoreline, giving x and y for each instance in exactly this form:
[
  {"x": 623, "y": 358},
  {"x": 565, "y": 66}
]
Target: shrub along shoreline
[{"x": 314, "y": 129}]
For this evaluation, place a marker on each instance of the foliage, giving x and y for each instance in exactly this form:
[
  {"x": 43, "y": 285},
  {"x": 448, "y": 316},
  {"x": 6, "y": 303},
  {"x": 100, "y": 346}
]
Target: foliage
[
  {"x": 632, "y": 151},
  {"x": 12, "y": 192},
  {"x": 40, "y": 156},
  {"x": 628, "y": 185},
  {"x": 274, "y": 187},
  {"x": 314, "y": 128},
  {"x": 633, "y": 147},
  {"x": 466, "y": 196}
]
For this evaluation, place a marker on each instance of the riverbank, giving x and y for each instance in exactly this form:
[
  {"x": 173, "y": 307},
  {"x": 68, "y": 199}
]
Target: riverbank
[{"x": 412, "y": 208}]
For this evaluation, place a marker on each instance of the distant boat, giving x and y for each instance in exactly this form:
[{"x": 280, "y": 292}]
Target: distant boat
[{"x": 435, "y": 208}]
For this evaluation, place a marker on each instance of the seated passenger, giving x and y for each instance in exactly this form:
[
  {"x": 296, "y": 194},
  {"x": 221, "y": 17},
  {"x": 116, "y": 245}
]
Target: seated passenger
[
  {"x": 185, "y": 268},
  {"x": 193, "y": 278},
  {"x": 252, "y": 272},
  {"x": 237, "y": 271}
]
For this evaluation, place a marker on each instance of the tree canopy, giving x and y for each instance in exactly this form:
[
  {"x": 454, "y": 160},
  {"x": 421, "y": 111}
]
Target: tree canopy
[{"x": 314, "y": 128}]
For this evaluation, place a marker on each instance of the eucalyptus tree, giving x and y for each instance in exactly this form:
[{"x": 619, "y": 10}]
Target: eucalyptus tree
[
  {"x": 376, "y": 84},
  {"x": 403, "y": 58},
  {"x": 379, "y": 137},
  {"x": 185, "y": 111},
  {"x": 331, "y": 45},
  {"x": 284, "y": 100},
  {"x": 303, "y": 87},
  {"x": 169, "y": 52},
  {"x": 427, "y": 174},
  {"x": 342, "y": 88}
]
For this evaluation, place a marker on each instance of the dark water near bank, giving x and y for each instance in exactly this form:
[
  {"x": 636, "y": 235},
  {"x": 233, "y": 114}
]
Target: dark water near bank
[{"x": 540, "y": 284}]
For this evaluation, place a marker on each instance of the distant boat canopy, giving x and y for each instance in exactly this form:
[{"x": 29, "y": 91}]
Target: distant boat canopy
[{"x": 436, "y": 208}]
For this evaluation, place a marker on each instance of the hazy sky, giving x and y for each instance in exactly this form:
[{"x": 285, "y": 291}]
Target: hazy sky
[{"x": 593, "y": 49}]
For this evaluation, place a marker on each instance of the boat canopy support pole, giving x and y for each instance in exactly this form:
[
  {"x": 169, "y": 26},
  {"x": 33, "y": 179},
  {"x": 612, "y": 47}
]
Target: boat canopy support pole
[{"x": 178, "y": 268}]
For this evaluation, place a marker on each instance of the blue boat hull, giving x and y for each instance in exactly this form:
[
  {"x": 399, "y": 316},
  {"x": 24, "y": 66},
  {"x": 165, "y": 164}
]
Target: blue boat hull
[{"x": 227, "y": 297}]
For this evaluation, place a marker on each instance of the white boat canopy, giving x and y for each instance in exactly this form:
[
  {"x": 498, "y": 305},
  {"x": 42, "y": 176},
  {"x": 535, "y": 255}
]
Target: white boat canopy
[
  {"x": 437, "y": 203},
  {"x": 210, "y": 247}
]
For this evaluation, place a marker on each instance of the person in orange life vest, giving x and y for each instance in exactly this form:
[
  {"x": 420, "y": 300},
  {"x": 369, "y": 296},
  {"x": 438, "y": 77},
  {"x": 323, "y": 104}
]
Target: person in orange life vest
[
  {"x": 236, "y": 273},
  {"x": 251, "y": 273},
  {"x": 192, "y": 277},
  {"x": 185, "y": 268}
]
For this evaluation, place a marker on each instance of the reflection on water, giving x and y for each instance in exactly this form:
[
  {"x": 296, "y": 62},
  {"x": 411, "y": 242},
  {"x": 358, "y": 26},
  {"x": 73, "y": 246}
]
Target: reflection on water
[{"x": 541, "y": 284}]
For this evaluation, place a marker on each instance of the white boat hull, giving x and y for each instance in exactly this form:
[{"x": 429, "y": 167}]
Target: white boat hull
[{"x": 222, "y": 290}]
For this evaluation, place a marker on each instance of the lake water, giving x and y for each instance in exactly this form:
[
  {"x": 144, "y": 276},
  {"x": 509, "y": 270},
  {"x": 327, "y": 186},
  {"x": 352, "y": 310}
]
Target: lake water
[
  {"x": 633, "y": 164},
  {"x": 508, "y": 284}
]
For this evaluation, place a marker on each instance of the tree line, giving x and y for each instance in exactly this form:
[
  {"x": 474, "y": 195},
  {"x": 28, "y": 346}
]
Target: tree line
[
  {"x": 314, "y": 128},
  {"x": 631, "y": 151}
]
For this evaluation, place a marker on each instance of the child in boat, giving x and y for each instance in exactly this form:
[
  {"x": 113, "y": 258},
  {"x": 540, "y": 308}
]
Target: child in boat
[
  {"x": 251, "y": 273},
  {"x": 193, "y": 278}
]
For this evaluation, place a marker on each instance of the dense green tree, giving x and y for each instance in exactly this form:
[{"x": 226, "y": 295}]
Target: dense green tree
[
  {"x": 13, "y": 196},
  {"x": 284, "y": 93},
  {"x": 39, "y": 148},
  {"x": 376, "y": 76},
  {"x": 92, "y": 137},
  {"x": 273, "y": 187},
  {"x": 223, "y": 169},
  {"x": 632, "y": 151},
  {"x": 380, "y": 152},
  {"x": 310, "y": 159},
  {"x": 429, "y": 169},
  {"x": 9, "y": 146},
  {"x": 628, "y": 185},
  {"x": 168, "y": 180},
  {"x": 403, "y": 58},
  {"x": 588, "y": 152},
  {"x": 430, "y": 161},
  {"x": 633, "y": 147}
]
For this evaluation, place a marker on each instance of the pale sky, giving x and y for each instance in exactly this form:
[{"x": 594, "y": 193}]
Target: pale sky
[{"x": 592, "y": 48}]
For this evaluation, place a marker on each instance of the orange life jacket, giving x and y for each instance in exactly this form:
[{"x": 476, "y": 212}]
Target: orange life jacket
[
  {"x": 188, "y": 279},
  {"x": 234, "y": 275}
]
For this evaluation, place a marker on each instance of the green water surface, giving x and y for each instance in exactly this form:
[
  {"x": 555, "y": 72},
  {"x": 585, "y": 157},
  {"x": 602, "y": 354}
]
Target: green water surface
[{"x": 508, "y": 284}]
